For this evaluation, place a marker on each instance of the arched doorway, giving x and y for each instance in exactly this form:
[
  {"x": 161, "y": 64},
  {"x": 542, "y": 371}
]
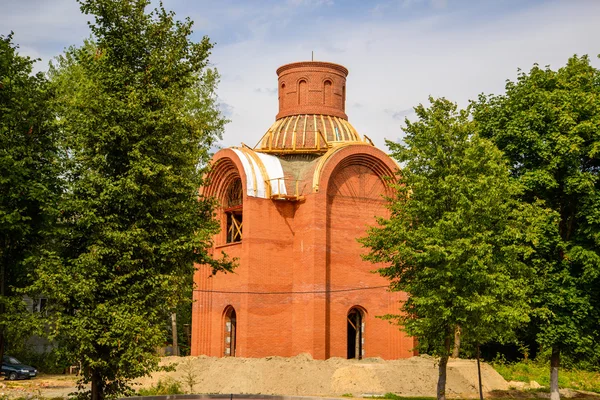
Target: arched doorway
[
  {"x": 229, "y": 332},
  {"x": 356, "y": 332}
]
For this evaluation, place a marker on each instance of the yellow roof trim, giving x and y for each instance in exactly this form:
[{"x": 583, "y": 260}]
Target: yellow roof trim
[
  {"x": 294, "y": 133},
  {"x": 254, "y": 181},
  {"x": 328, "y": 131},
  {"x": 304, "y": 130}
]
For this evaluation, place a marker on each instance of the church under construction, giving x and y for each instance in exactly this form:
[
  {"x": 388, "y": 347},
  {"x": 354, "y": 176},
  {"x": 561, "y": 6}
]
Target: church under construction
[{"x": 291, "y": 209}]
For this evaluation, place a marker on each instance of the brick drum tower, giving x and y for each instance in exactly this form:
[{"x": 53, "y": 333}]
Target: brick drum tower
[{"x": 291, "y": 209}]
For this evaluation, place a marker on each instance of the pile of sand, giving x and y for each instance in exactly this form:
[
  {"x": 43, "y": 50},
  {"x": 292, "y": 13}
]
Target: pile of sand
[{"x": 301, "y": 375}]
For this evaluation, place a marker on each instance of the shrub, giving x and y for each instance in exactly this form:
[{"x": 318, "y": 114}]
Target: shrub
[{"x": 162, "y": 387}]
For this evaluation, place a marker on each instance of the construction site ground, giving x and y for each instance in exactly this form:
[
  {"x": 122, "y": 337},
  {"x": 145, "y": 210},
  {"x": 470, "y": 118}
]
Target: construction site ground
[{"x": 303, "y": 376}]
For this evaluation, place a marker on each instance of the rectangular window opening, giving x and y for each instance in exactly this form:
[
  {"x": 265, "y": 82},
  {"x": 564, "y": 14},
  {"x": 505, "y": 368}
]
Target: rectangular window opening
[{"x": 234, "y": 226}]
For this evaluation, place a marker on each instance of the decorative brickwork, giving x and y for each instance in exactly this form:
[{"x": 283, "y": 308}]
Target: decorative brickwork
[
  {"x": 312, "y": 87},
  {"x": 301, "y": 285}
]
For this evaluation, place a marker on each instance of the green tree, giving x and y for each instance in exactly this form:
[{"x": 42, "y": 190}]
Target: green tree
[
  {"x": 548, "y": 125},
  {"x": 136, "y": 107},
  {"x": 454, "y": 240},
  {"x": 28, "y": 183}
]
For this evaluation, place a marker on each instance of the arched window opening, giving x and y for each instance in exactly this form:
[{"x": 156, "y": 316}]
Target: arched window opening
[
  {"x": 302, "y": 92},
  {"x": 327, "y": 93},
  {"x": 234, "y": 211},
  {"x": 356, "y": 332},
  {"x": 281, "y": 95},
  {"x": 344, "y": 98},
  {"x": 229, "y": 332}
]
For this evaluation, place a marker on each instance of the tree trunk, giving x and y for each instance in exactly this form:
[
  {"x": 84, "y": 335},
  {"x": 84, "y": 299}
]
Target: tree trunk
[
  {"x": 456, "y": 350},
  {"x": 174, "y": 330},
  {"x": 554, "y": 364},
  {"x": 441, "y": 386},
  {"x": 97, "y": 386}
]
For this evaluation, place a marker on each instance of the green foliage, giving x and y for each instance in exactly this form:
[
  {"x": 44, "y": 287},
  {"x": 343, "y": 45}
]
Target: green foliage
[
  {"x": 548, "y": 125},
  {"x": 28, "y": 183},
  {"x": 535, "y": 371},
  {"x": 457, "y": 236},
  {"x": 163, "y": 387},
  {"x": 184, "y": 317},
  {"x": 136, "y": 108},
  {"x": 48, "y": 362},
  {"x": 451, "y": 242}
]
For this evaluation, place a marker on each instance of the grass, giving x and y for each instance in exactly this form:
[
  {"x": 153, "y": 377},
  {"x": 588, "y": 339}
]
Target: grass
[
  {"x": 532, "y": 371},
  {"x": 392, "y": 396},
  {"x": 162, "y": 387}
]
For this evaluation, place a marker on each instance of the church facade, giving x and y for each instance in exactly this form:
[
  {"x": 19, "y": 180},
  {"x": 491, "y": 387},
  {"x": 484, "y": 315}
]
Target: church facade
[{"x": 291, "y": 209}]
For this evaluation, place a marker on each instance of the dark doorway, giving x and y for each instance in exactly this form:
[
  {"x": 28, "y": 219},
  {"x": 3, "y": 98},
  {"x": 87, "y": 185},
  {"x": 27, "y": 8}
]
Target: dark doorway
[
  {"x": 230, "y": 332},
  {"x": 356, "y": 329}
]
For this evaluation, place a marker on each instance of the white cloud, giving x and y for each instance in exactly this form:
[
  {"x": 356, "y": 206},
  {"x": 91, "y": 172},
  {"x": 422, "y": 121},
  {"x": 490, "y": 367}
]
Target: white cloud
[
  {"x": 44, "y": 28},
  {"x": 398, "y": 51},
  {"x": 395, "y": 66}
]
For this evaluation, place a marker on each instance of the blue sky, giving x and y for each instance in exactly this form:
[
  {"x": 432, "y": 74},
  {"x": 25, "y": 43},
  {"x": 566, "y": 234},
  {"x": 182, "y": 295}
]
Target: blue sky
[{"x": 398, "y": 51}]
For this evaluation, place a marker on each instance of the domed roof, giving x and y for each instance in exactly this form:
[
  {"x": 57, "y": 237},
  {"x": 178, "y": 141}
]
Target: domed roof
[
  {"x": 307, "y": 133},
  {"x": 312, "y": 110}
]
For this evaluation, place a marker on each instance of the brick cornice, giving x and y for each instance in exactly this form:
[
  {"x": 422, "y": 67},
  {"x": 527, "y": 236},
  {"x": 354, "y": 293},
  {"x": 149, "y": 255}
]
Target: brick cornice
[{"x": 313, "y": 64}]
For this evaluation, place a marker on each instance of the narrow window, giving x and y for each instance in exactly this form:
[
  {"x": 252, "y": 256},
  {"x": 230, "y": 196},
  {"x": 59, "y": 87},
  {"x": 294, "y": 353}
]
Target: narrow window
[
  {"x": 43, "y": 303},
  {"x": 356, "y": 331},
  {"x": 281, "y": 96},
  {"x": 327, "y": 93},
  {"x": 234, "y": 211},
  {"x": 344, "y": 98},
  {"x": 39, "y": 305},
  {"x": 302, "y": 92},
  {"x": 229, "y": 332}
]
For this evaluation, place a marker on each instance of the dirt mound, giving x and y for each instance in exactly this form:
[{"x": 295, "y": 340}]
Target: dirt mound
[{"x": 301, "y": 375}]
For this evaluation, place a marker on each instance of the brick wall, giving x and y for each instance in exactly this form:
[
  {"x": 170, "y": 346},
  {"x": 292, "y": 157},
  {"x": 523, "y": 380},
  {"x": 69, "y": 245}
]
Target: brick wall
[
  {"x": 300, "y": 250},
  {"x": 312, "y": 87}
]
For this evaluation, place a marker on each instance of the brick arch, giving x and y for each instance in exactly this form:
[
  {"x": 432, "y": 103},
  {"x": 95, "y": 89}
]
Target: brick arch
[
  {"x": 356, "y": 317},
  {"x": 229, "y": 327},
  {"x": 302, "y": 91},
  {"x": 225, "y": 169},
  {"x": 359, "y": 179},
  {"x": 369, "y": 162},
  {"x": 353, "y": 154},
  {"x": 353, "y": 186},
  {"x": 302, "y": 78},
  {"x": 220, "y": 178},
  {"x": 357, "y": 307},
  {"x": 281, "y": 91},
  {"x": 327, "y": 91}
]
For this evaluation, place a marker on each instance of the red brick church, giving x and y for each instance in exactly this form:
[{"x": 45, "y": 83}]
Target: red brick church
[{"x": 291, "y": 209}]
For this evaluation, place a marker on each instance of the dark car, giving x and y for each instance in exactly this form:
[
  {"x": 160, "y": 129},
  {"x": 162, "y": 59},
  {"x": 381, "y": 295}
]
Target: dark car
[{"x": 13, "y": 369}]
